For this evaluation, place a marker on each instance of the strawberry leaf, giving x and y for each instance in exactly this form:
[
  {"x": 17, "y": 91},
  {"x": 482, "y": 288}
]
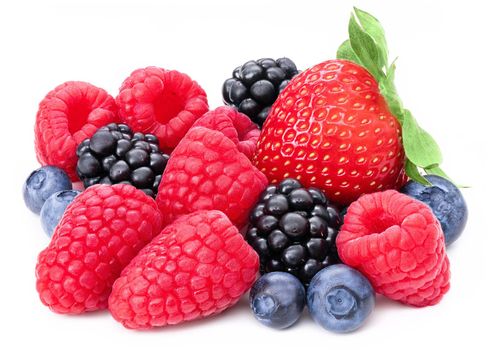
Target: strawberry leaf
[
  {"x": 365, "y": 48},
  {"x": 414, "y": 174},
  {"x": 345, "y": 52},
  {"x": 388, "y": 90},
  {"x": 420, "y": 147},
  {"x": 374, "y": 28}
]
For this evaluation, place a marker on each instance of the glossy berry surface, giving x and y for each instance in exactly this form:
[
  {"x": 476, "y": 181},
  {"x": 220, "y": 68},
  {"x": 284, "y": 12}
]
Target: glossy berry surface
[
  {"x": 41, "y": 184},
  {"x": 445, "y": 200},
  {"x": 114, "y": 154},
  {"x": 196, "y": 267},
  {"x": 398, "y": 244},
  {"x": 100, "y": 232},
  {"x": 340, "y": 298},
  {"x": 332, "y": 129},
  {"x": 54, "y": 208},
  {"x": 293, "y": 229},
  {"x": 277, "y": 299},
  {"x": 255, "y": 85}
]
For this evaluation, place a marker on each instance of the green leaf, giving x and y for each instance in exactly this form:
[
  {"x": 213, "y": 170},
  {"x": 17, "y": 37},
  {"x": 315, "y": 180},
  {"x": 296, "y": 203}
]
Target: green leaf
[
  {"x": 374, "y": 28},
  {"x": 365, "y": 48},
  {"x": 388, "y": 90},
  {"x": 420, "y": 147},
  {"x": 414, "y": 174},
  {"x": 436, "y": 170},
  {"x": 345, "y": 52}
]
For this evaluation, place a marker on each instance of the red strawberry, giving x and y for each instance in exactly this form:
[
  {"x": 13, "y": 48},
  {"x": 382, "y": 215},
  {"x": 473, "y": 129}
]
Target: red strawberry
[
  {"x": 332, "y": 129},
  {"x": 198, "y": 266},
  {"x": 100, "y": 232}
]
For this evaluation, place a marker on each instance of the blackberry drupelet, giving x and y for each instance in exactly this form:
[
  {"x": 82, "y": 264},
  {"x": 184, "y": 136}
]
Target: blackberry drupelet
[
  {"x": 293, "y": 229},
  {"x": 255, "y": 85},
  {"x": 114, "y": 154}
]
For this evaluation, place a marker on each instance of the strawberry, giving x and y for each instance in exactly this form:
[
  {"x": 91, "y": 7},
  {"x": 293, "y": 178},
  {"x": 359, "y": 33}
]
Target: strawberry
[
  {"x": 340, "y": 125},
  {"x": 332, "y": 129}
]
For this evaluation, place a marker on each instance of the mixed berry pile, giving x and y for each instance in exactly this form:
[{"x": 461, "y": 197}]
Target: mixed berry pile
[{"x": 307, "y": 189}]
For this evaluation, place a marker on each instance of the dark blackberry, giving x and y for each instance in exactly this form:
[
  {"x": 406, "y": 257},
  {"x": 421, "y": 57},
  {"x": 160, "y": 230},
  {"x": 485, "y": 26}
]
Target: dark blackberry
[
  {"x": 255, "y": 85},
  {"x": 293, "y": 229},
  {"x": 114, "y": 154}
]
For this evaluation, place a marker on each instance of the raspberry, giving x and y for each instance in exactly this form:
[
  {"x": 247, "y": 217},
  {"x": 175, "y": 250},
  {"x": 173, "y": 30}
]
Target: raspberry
[
  {"x": 235, "y": 125},
  {"x": 161, "y": 102},
  {"x": 100, "y": 232},
  {"x": 207, "y": 171},
  {"x": 397, "y": 243},
  {"x": 67, "y": 115},
  {"x": 197, "y": 266}
]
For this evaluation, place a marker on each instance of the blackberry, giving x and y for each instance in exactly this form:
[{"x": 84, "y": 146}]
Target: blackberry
[
  {"x": 114, "y": 154},
  {"x": 293, "y": 229},
  {"x": 255, "y": 85}
]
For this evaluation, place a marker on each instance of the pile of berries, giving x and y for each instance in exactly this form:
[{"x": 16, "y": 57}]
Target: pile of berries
[{"x": 303, "y": 178}]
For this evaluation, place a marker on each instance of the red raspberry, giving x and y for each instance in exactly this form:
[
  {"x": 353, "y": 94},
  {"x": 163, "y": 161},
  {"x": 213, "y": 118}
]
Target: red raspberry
[
  {"x": 198, "y": 266},
  {"x": 235, "y": 125},
  {"x": 207, "y": 171},
  {"x": 100, "y": 232},
  {"x": 397, "y": 243},
  {"x": 161, "y": 102},
  {"x": 67, "y": 115}
]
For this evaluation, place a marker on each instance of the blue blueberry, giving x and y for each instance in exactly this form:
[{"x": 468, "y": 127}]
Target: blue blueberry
[
  {"x": 445, "y": 200},
  {"x": 41, "y": 184},
  {"x": 339, "y": 298},
  {"x": 54, "y": 208},
  {"x": 277, "y": 299}
]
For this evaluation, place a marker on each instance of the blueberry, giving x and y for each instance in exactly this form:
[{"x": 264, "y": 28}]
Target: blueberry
[
  {"x": 339, "y": 298},
  {"x": 54, "y": 208},
  {"x": 41, "y": 184},
  {"x": 445, "y": 200},
  {"x": 277, "y": 299}
]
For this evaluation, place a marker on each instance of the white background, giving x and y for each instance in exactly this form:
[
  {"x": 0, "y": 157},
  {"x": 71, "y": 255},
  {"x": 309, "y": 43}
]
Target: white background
[{"x": 445, "y": 75}]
